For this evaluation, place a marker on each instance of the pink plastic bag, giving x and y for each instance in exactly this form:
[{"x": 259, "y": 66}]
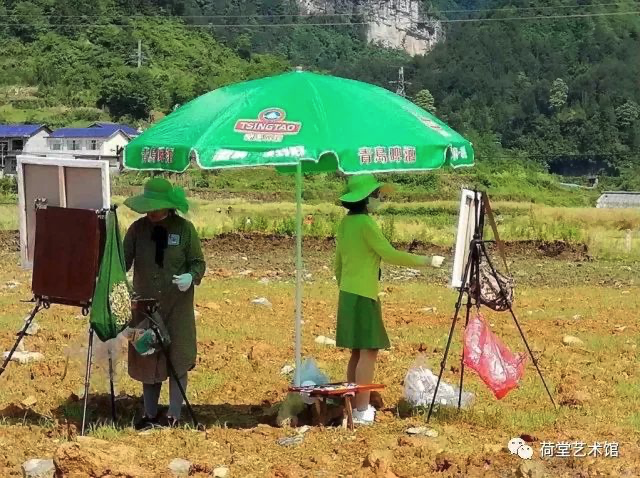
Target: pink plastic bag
[{"x": 485, "y": 353}]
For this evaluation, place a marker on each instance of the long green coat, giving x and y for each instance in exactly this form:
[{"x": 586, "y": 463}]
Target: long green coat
[{"x": 183, "y": 254}]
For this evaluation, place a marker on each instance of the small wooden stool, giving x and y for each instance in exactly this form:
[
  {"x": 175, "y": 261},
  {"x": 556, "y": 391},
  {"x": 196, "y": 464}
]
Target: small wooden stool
[{"x": 345, "y": 391}]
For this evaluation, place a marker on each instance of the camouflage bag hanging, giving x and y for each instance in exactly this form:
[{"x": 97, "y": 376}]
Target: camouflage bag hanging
[
  {"x": 496, "y": 289},
  {"x": 111, "y": 306}
]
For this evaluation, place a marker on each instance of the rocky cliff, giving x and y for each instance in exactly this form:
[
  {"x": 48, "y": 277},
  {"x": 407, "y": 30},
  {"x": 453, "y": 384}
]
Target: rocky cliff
[{"x": 392, "y": 23}]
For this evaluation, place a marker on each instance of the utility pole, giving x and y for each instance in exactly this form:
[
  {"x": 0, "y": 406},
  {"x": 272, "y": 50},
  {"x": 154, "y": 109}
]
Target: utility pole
[
  {"x": 401, "y": 84},
  {"x": 137, "y": 57},
  {"x": 400, "y": 90}
]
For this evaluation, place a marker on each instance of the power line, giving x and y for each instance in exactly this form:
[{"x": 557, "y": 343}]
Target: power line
[
  {"x": 349, "y": 24},
  {"x": 521, "y": 9},
  {"x": 209, "y": 25},
  {"x": 542, "y": 17},
  {"x": 194, "y": 17},
  {"x": 307, "y": 15}
]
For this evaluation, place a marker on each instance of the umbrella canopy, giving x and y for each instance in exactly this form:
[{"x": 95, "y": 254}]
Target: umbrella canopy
[
  {"x": 300, "y": 122},
  {"x": 326, "y": 122}
]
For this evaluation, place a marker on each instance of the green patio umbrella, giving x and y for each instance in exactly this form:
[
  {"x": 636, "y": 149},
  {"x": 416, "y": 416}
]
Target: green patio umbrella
[{"x": 300, "y": 122}]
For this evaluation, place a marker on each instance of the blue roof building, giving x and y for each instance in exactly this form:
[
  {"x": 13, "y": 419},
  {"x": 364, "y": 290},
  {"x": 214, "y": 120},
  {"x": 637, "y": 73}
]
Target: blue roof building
[
  {"x": 100, "y": 140},
  {"x": 19, "y": 130},
  {"x": 18, "y": 138},
  {"x": 96, "y": 130},
  {"x": 97, "y": 141}
]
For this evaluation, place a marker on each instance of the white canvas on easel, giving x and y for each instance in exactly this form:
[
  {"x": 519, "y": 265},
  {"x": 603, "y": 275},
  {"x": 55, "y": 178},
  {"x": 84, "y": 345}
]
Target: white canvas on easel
[
  {"x": 63, "y": 182},
  {"x": 466, "y": 227}
]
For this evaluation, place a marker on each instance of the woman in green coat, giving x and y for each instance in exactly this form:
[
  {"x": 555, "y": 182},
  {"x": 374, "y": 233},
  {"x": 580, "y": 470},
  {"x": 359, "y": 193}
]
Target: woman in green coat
[
  {"x": 167, "y": 260},
  {"x": 361, "y": 247}
]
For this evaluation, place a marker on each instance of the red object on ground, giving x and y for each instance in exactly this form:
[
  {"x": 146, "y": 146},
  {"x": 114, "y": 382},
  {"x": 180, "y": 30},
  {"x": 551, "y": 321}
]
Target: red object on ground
[{"x": 485, "y": 353}]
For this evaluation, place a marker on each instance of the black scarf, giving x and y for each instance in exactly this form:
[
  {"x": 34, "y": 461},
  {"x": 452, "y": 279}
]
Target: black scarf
[{"x": 160, "y": 236}]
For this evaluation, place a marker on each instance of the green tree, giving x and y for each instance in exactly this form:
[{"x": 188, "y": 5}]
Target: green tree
[
  {"x": 424, "y": 99},
  {"x": 627, "y": 114},
  {"x": 559, "y": 94},
  {"x": 128, "y": 93},
  {"x": 27, "y": 21},
  {"x": 242, "y": 46}
]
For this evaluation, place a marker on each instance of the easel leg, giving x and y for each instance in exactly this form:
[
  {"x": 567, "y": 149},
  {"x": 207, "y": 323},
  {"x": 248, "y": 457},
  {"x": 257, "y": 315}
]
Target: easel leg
[
  {"x": 172, "y": 373},
  {"x": 466, "y": 323},
  {"x": 515, "y": 319},
  {"x": 533, "y": 359},
  {"x": 113, "y": 392},
  {"x": 21, "y": 335},
  {"x": 474, "y": 275},
  {"x": 443, "y": 364},
  {"x": 87, "y": 380}
]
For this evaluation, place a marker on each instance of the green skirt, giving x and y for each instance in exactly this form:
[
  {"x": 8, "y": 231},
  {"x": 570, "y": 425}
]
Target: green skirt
[{"x": 360, "y": 323}]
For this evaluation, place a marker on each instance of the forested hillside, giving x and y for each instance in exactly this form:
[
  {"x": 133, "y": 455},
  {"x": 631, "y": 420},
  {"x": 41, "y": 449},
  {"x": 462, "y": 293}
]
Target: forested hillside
[
  {"x": 551, "y": 84},
  {"x": 563, "y": 91},
  {"x": 84, "y": 53}
]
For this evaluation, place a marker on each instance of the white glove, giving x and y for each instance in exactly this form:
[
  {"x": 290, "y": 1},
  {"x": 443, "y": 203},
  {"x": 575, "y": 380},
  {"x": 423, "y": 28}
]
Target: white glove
[
  {"x": 183, "y": 282},
  {"x": 436, "y": 261}
]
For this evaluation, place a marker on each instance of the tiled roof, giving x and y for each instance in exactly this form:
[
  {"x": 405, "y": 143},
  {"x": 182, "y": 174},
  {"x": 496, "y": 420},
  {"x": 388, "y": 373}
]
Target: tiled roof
[
  {"x": 19, "y": 130},
  {"x": 125, "y": 128},
  {"x": 98, "y": 130}
]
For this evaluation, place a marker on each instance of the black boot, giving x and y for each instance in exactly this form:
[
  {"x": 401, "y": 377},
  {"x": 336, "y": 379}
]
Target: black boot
[{"x": 146, "y": 423}]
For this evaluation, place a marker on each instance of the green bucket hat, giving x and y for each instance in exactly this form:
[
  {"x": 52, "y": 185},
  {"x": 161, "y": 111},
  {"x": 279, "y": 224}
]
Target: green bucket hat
[
  {"x": 159, "y": 194},
  {"x": 360, "y": 187}
]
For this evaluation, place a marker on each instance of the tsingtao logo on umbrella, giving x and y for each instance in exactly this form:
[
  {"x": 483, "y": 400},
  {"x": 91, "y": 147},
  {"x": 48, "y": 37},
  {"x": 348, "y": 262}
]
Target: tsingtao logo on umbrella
[
  {"x": 270, "y": 126},
  {"x": 271, "y": 115}
]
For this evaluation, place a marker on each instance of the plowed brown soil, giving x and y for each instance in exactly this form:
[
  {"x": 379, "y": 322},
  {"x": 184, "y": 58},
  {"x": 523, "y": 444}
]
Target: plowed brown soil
[{"x": 237, "y": 383}]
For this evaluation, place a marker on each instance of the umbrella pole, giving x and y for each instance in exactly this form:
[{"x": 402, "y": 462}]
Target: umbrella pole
[{"x": 298, "y": 326}]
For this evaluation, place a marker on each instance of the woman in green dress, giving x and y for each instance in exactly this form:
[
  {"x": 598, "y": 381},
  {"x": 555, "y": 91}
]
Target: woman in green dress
[
  {"x": 361, "y": 247},
  {"x": 164, "y": 250}
]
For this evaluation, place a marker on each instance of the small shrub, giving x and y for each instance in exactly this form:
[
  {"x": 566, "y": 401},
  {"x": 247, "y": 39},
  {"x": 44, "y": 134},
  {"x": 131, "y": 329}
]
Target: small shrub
[
  {"x": 260, "y": 224},
  {"x": 285, "y": 227},
  {"x": 8, "y": 186},
  {"x": 389, "y": 229}
]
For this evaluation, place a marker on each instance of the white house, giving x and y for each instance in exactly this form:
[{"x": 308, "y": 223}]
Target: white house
[
  {"x": 619, "y": 199},
  {"x": 18, "y": 138},
  {"x": 99, "y": 141}
]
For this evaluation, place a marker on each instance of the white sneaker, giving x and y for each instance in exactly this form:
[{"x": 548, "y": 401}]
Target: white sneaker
[{"x": 364, "y": 417}]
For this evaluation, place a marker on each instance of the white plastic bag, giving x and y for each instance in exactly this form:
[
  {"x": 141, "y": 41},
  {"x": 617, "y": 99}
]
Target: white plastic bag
[
  {"x": 76, "y": 357},
  {"x": 420, "y": 383}
]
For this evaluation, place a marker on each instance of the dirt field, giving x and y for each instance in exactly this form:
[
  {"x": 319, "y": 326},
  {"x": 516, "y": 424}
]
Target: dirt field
[{"x": 237, "y": 383}]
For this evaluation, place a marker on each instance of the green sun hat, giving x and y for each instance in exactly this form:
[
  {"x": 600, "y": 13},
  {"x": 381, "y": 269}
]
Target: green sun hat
[
  {"x": 360, "y": 187},
  {"x": 158, "y": 194}
]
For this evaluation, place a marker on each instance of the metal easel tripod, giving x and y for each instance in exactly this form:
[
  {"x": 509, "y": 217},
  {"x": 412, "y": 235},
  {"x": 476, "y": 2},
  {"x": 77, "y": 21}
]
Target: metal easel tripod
[
  {"x": 87, "y": 382},
  {"x": 149, "y": 309},
  {"x": 27, "y": 323},
  {"x": 55, "y": 281},
  {"x": 42, "y": 303},
  {"x": 471, "y": 289}
]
